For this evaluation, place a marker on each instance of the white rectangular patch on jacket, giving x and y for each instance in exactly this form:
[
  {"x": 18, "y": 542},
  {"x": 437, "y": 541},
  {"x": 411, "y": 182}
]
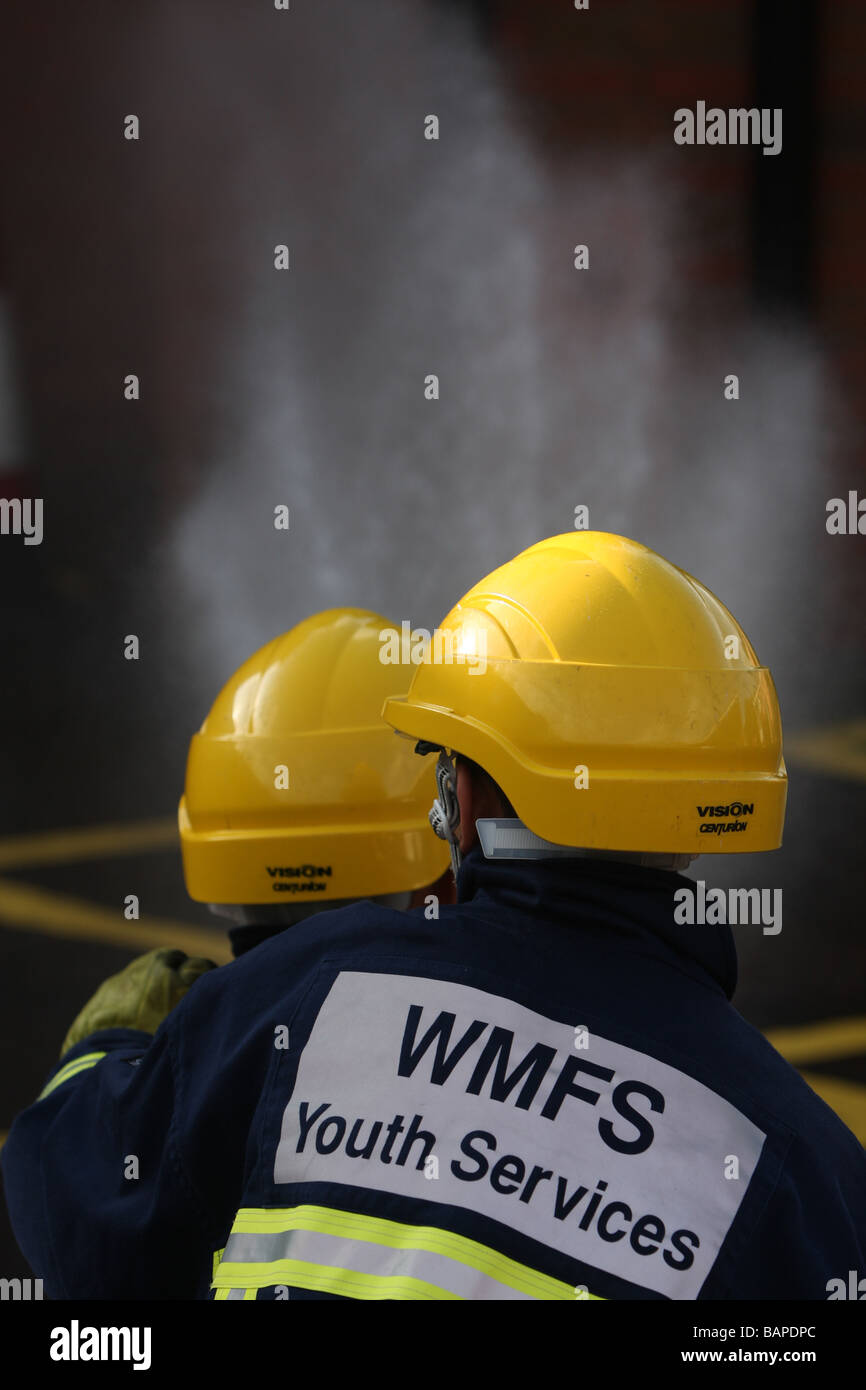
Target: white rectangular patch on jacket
[{"x": 449, "y": 1094}]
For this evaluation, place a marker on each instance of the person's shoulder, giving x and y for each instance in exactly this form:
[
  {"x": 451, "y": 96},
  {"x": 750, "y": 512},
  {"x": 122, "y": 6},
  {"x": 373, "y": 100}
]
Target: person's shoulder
[
  {"x": 357, "y": 923},
  {"x": 817, "y": 1128},
  {"x": 285, "y": 965},
  {"x": 358, "y": 929},
  {"x": 824, "y": 1142}
]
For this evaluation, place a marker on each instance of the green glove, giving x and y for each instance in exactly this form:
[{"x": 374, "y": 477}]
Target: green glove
[{"x": 140, "y": 996}]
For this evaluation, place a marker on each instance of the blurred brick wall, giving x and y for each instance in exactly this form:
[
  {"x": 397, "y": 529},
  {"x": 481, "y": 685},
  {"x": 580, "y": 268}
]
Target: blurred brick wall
[
  {"x": 841, "y": 194},
  {"x": 614, "y": 75}
]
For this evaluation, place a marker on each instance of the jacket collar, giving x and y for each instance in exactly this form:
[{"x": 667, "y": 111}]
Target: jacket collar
[{"x": 630, "y": 904}]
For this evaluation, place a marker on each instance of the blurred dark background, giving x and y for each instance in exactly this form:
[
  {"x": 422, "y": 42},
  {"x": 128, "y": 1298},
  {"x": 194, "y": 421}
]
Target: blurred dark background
[{"x": 558, "y": 387}]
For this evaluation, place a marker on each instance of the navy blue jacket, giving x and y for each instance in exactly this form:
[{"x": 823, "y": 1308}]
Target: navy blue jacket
[{"x": 542, "y": 1093}]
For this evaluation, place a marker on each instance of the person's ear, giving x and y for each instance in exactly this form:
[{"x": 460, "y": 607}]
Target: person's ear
[
  {"x": 478, "y": 799},
  {"x": 467, "y": 800}
]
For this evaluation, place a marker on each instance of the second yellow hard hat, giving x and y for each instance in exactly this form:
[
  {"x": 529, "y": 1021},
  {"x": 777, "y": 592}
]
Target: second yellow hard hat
[{"x": 296, "y": 790}]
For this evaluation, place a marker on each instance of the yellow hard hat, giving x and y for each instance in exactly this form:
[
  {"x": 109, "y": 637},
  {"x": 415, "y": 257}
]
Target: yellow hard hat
[
  {"x": 296, "y": 791},
  {"x": 614, "y": 699}
]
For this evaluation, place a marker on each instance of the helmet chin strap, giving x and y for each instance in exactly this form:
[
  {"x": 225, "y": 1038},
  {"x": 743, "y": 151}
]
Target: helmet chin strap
[{"x": 445, "y": 812}]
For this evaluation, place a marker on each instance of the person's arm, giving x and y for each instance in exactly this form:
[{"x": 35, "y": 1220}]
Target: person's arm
[
  {"x": 94, "y": 1185},
  {"x": 96, "y": 1188},
  {"x": 813, "y": 1229}
]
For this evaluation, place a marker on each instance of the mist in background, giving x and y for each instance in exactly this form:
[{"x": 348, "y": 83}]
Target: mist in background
[{"x": 558, "y": 387}]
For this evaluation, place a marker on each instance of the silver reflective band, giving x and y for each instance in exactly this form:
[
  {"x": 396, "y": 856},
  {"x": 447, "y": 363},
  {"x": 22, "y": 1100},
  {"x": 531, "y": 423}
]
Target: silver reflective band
[
  {"x": 364, "y": 1257},
  {"x": 511, "y": 839},
  {"x": 508, "y": 838}
]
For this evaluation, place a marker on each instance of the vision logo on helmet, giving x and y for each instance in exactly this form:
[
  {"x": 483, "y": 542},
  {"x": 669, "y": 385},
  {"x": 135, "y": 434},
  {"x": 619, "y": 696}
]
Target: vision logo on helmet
[
  {"x": 734, "y": 808},
  {"x": 310, "y": 873},
  {"x": 301, "y": 871}
]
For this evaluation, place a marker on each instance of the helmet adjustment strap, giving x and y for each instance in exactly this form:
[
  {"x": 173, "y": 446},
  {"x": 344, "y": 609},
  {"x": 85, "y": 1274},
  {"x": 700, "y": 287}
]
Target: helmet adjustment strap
[{"x": 445, "y": 811}]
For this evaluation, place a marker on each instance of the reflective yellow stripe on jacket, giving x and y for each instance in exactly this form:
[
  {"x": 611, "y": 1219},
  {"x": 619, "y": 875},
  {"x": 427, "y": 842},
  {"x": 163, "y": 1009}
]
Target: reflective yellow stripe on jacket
[
  {"x": 89, "y": 1059},
  {"x": 367, "y": 1257}
]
